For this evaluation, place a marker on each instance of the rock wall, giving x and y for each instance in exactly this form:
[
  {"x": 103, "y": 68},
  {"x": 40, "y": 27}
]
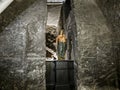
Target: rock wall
[
  {"x": 11, "y": 12},
  {"x": 71, "y": 36},
  {"x": 22, "y": 50},
  {"x": 111, "y": 10},
  {"x": 95, "y": 61},
  {"x": 69, "y": 25}
]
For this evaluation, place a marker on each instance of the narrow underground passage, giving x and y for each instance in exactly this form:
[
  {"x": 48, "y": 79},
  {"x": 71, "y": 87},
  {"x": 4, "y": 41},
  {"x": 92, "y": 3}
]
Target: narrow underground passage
[
  {"x": 60, "y": 57},
  {"x": 21, "y": 65}
]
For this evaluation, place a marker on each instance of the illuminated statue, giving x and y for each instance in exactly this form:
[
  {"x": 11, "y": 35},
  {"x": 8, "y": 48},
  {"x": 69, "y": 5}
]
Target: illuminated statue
[{"x": 61, "y": 45}]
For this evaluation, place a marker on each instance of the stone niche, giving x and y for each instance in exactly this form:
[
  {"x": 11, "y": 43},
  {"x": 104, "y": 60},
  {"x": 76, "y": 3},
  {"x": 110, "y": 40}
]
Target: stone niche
[{"x": 22, "y": 47}]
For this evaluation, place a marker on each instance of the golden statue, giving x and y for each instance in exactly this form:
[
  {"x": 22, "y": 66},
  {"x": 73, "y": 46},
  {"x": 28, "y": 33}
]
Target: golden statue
[{"x": 61, "y": 45}]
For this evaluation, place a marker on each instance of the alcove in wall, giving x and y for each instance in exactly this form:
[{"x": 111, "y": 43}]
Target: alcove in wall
[{"x": 60, "y": 16}]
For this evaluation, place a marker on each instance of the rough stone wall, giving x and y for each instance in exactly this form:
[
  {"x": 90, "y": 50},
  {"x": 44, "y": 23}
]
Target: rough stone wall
[
  {"x": 95, "y": 62},
  {"x": 53, "y": 14},
  {"x": 10, "y": 13},
  {"x": 71, "y": 36},
  {"x": 22, "y": 50},
  {"x": 111, "y": 10},
  {"x": 69, "y": 25}
]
